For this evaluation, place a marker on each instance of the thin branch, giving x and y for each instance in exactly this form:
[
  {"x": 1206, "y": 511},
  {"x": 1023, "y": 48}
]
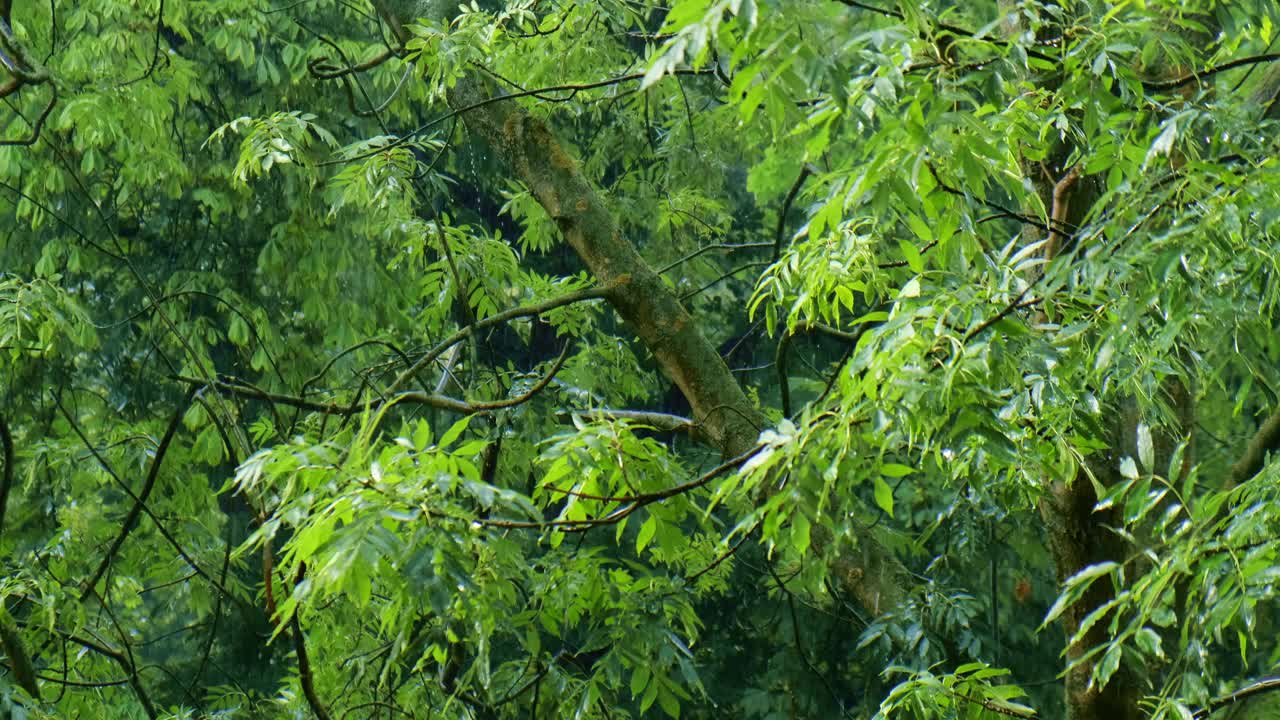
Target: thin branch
[
  {"x": 688, "y": 114},
  {"x": 304, "y": 391},
  {"x": 242, "y": 388},
  {"x": 635, "y": 502},
  {"x": 784, "y": 347},
  {"x": 131, "y": 520},
  {"x": 572, "y": 88},
  {"x": 533, "y": 310},
  {"x": 722, "y": 278},
  {"x": 347, "y": 78},
  {"x": 305, "y": 676},
  {"x": 795, "y": 633},
  {"x": 540, "y": 33},
  {"x": 726, "y": 554},
  {"x": 77, "y": 683},
  {"x": 665, "y": 422},
  {"x": 37, "y": 126},
  {"x": 993, "y": 707},
  {"x": 1209, "y": 72},
  {"x": 805, "y": 172},
  {"x": 953, "y": 29},
  {"x": 155, "y": 51},
  {"x": 60, "y": 220},
  {"x": 320, "y": 70},
  {"x": 903, "y": 263},
  {"x": 1017, "y": 304},
  {"x": 1245, "y": 78},
  {"x": 543, "y": 382},
  {"x": 1004, "y": 211},
  {"x": 1262, "y": 686},
  {"x": 708, "y": 248},
  {"x": 164, "y": 532}
]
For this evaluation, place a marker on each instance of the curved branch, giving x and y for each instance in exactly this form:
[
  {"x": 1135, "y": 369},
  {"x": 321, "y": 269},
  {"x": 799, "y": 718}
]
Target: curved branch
[
  {"x": 306, "y": 384},
  {"x": 35, "y": 128},
  {"x": 1262, "y": 686},
  {"x": 741, "y": 268},
  {"x": 1001, "y": 209},
  {"x": 784, "y": 347},
  {"x": 155, "y": 50},
  {"x": 663, "y": 422},
  {"x": 543, "y": 382},
  {"x": 243, "y": 389},
  {"x": 322, "y": 71},
  {"x": 953, "y": 29},
  {"x": 805, "y": 172},
  {"x": 25, "y": 70},
  {"x": 708, "y": 248},
  {"x": 1209, "y": 72},
  {"x": 633, "y": 502}
]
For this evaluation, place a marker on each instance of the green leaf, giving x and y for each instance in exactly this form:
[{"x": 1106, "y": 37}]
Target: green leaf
[
  {"x": 1075, "y": 587},
  {"x": 1148, "y": 641},
  {"x": 421, "y": 435},
  {"x": 884, "y": 496},
  {"x": 1146, "y": 447},
  {"x": 650, "y": 695},
  {"x": 921, "y": 229},
  {"x": 1110, "y": 663},
  {"x": 646, "y": 533},
  {"x": 639, "y": 679},
  {"x": 1128, "y": 468},
  {"x": 669, "y": 703},
  {"x": 896, "y": 470},
  {"x": 912, "y": 255},
  {"x": 455, "y": 431},
  {"x": 800, "y": 532}
]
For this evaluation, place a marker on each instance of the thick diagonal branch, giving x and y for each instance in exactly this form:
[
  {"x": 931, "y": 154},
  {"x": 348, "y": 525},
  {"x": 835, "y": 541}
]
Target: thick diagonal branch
[
  {"x": 1265, "y": 441},
  {"x": 724, "y": 417}
]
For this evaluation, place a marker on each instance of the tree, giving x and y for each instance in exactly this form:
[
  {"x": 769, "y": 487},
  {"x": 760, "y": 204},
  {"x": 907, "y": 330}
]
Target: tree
[{"x": 701, "y": 358}]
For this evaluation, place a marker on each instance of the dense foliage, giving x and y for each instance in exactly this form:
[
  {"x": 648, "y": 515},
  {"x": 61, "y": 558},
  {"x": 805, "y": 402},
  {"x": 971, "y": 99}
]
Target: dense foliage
[{"x": 701, "y": 358}]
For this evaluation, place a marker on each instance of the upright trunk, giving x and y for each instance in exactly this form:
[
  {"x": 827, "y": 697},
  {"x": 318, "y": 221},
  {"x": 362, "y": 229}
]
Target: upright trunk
[
  {"x": 1078, "y": 536},
  {"x": 1078, "y": 533}
]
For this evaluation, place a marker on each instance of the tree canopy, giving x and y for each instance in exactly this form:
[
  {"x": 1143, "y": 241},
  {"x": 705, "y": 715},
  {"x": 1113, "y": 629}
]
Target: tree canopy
[{"x": 639, "y": 358}]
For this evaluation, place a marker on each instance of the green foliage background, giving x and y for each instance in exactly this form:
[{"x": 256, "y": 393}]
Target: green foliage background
[{"x": 212, "y": 235}]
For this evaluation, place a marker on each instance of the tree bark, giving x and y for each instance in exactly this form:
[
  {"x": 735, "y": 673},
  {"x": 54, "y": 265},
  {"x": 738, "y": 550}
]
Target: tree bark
[{"x": 1078, "y": 538}]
